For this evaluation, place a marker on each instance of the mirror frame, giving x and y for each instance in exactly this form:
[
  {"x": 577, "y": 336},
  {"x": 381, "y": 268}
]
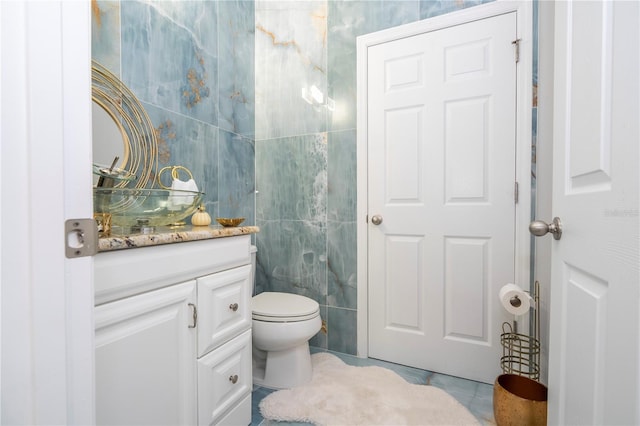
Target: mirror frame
[{"x": 138, "y": 134}]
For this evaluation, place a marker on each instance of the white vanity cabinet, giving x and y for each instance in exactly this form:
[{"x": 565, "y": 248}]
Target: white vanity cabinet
[{"x": 152, "y": 365}]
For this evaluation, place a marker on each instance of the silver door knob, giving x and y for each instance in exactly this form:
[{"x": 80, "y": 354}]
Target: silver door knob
[
  {"x": 539, "y": 228},
  {"x": 376, "y": 219}
]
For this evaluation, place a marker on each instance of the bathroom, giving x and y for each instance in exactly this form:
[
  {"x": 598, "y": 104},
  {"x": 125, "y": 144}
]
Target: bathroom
[
  {"x": 290, "y": 165},
  {"x": 321, "y": 214}
]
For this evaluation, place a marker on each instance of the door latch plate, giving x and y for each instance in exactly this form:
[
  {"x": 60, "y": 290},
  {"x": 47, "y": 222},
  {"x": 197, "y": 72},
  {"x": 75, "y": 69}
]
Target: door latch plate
[{"x": 80, "y": 238}]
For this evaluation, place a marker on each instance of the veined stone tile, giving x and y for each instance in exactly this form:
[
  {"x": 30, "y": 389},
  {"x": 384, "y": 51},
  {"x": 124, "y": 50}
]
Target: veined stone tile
[
  {"x": 236, "y": 177},
  {"x": 170, "y": 55},
  {"x": 320, "y": 339},
  {"x": 291, "y": 55},
  {"x": 341, "y": 176},
  {"x": 190, "y": 143},
  {"x": 292, "y": 258},
  {"x": 431, "y": 8},
  {"x": 291, "y": 176},
  {"x": 342, "y": 278},
  {"x": 236, "y": 79},
  {"x": 342, "y": 329},
  {"x": 105, "y": 34},
  {"x": 346, "y": 21}
]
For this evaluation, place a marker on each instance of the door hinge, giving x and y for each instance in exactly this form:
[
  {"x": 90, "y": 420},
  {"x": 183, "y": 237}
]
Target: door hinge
[
  {"x": 516, "y": 43},
  {"x": 80, "y": 238},
  {"x": 516, "y": 192}
]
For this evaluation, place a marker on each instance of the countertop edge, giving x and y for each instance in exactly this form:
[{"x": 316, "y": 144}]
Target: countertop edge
[{"x": 171, "y": 236}]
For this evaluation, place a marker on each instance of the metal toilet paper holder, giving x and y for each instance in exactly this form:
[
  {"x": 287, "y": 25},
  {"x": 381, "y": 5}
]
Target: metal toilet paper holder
[{"x": 521, "y": 352}]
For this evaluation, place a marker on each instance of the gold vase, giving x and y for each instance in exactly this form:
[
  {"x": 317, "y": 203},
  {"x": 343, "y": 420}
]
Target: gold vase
[{"x": 520, "y": 401}]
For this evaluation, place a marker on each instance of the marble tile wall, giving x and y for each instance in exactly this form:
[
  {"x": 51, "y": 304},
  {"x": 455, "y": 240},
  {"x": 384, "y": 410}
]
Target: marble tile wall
[
  {"x": 306, "y": 155},
  {"x": 191, "y": 64}
]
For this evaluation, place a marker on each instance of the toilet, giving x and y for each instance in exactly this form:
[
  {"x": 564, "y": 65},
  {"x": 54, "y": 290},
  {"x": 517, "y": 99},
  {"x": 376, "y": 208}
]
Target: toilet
[{"x": 282, "y": 324}]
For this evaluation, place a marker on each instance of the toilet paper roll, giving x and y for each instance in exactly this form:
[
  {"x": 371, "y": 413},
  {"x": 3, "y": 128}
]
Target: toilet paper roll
[{"x": 514, "y": 299}]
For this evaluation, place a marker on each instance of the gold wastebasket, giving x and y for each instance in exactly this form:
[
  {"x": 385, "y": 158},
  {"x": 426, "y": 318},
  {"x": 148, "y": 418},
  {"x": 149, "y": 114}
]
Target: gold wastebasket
[{"x": 519, "y": 401}]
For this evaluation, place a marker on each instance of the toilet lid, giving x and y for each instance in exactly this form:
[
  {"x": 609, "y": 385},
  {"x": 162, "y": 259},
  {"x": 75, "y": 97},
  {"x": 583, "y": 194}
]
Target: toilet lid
[{"x": 280, "y": 307}]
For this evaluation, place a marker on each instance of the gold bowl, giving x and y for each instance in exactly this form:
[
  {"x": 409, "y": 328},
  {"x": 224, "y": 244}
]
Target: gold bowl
[{"x": 230, "y": 221}]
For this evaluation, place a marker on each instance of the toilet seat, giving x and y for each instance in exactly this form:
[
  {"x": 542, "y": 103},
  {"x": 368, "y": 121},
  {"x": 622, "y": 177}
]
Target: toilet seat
[{"x": 283, "y": 307}]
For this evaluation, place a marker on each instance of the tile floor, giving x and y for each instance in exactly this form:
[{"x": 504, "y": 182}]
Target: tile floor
[{"x": 477, "y": 397}]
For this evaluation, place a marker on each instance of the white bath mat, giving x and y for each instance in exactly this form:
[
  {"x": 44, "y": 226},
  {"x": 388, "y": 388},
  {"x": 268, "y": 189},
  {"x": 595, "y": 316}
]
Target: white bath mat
[{"x": 340, "y": 394}]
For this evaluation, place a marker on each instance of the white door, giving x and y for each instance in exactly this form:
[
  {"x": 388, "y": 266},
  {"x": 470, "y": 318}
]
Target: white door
[
  {"x": 441, "y": 177},
  {"x": 594, "y": 374},
  {"x": 47, "y": 299}
]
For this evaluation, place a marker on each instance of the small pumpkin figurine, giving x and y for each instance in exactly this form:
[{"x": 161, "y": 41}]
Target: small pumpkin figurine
[{"x": 201, "y": 217}]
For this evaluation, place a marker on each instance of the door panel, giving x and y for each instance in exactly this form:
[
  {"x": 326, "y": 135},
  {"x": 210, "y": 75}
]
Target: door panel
[
  {"x": 594, "y": 357},
  {"x": 441, "y": 126},
  {"x": 466, "y": 272},
  {"x": 466, "y": 150},
  {"x": 404, "y": 304}
]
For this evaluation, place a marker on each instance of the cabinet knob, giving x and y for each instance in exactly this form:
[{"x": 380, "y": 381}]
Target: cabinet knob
[
  {"x": 233, "y": 379},
  {"x": 233, "y": 307}
]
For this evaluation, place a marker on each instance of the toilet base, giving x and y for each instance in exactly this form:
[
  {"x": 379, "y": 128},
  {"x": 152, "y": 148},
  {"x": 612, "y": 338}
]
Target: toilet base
[{"x": 282, "y": 369}]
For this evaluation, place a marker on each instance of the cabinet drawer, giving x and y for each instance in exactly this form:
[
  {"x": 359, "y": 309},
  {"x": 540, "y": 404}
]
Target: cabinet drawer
[
  {"x": 123, "y": 273},
  {"x": 240, "y": 414},
  {"x": 224, "y": 379},
  {"x": 224, "y": 306}
]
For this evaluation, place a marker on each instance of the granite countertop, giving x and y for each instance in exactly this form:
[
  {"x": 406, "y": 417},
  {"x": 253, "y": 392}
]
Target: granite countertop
[{"x": 166, "y": 235}]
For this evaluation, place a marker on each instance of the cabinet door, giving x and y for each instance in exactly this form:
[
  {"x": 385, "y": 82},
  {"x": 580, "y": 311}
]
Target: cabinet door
[
  {"x": 224, "y": 307},
  {"x": 145, "y": 352},
  {"x": 224, "y": 383}
]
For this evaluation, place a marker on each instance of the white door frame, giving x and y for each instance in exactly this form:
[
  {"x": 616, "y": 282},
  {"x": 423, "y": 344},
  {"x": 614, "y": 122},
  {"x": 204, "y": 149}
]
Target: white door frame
[{"x": 524, "y": 13}]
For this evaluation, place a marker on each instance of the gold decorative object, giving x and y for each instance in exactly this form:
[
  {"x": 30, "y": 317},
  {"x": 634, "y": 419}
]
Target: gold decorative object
[
  {"x": 175, "y": 174},
  {"x": 103, "y": 222},
  {"x": 229, "y": 222},
  {"x": 519, "y": 401},
  {"x": 201, "y": 217},
  {"x": 140, "y": 156}
]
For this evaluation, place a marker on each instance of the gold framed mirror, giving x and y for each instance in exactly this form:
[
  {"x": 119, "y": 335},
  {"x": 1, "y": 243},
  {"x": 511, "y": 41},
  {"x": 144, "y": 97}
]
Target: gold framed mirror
[{"x": 120, "y": 118}]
